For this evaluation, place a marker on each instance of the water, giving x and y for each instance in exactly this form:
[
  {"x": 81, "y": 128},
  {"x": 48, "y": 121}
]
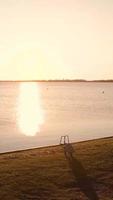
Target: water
[{"x": 37, "y": 114}]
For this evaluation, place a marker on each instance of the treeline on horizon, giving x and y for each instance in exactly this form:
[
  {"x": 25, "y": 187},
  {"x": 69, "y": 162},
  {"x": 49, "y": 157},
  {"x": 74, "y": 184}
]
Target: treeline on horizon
[{"x": 60, "y": 80}]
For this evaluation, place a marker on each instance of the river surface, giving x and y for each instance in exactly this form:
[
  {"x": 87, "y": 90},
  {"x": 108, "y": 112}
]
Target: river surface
[{"x": 37, "y": 114}]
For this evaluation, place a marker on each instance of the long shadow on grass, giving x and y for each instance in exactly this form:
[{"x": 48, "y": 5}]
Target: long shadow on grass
[{"x": 83, "y": 181}]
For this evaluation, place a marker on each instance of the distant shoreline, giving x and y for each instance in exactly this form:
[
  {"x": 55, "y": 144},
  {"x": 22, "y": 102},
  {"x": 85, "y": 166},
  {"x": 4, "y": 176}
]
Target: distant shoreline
[{"x": 64, "y": 80}]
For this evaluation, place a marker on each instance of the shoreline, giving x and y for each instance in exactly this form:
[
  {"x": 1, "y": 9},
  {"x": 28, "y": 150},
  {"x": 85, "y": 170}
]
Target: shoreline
[
  {"x": 53, "y": 146},
  {"x": 60, "y": 81}
]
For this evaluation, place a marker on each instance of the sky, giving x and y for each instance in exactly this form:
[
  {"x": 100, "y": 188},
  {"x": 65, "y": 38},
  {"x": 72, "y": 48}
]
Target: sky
[{"x": 46, "y": 39}]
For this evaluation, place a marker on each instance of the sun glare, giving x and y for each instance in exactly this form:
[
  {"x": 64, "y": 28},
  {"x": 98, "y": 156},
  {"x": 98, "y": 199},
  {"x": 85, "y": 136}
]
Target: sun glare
[{"x": 29, "y": 111}]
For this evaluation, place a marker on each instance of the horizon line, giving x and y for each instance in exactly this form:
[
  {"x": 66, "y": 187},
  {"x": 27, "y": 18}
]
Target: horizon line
[{"x": 59, "y": 80}]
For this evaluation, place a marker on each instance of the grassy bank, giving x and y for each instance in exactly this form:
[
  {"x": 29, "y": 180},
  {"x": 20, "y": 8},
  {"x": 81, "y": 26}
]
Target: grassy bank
[{"x": 45, "y": 173}]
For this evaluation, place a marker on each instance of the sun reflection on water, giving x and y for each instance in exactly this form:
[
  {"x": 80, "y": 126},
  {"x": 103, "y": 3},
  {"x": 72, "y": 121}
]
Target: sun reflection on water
[{"x": 29, "y": 112}]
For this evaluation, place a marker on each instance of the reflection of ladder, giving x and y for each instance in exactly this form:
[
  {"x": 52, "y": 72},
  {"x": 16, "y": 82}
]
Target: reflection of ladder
[{"x": 64, "y": 139}]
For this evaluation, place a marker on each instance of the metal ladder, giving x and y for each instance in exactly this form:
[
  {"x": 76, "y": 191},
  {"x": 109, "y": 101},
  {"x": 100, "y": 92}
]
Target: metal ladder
[{"x": 64, "y": 139}]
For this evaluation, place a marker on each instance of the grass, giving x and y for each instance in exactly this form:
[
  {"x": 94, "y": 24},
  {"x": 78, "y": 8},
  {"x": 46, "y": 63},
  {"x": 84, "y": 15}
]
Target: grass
[{"x": 46, "y": 174}]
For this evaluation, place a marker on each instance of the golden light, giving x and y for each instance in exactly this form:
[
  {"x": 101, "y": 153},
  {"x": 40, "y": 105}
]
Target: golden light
[
  {"x": 31, "y": 62},
  {"x": 29, "y": 111}
]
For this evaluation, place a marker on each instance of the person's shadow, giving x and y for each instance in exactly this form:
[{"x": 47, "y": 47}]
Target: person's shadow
[{"x": 84, "y": 182}]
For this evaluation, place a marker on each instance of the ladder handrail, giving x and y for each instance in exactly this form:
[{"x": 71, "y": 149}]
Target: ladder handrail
[{"x": 64, "y": 139}]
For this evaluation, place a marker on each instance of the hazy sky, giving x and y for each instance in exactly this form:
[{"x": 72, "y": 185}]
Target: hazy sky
[{"x": 47, "y": 39}]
